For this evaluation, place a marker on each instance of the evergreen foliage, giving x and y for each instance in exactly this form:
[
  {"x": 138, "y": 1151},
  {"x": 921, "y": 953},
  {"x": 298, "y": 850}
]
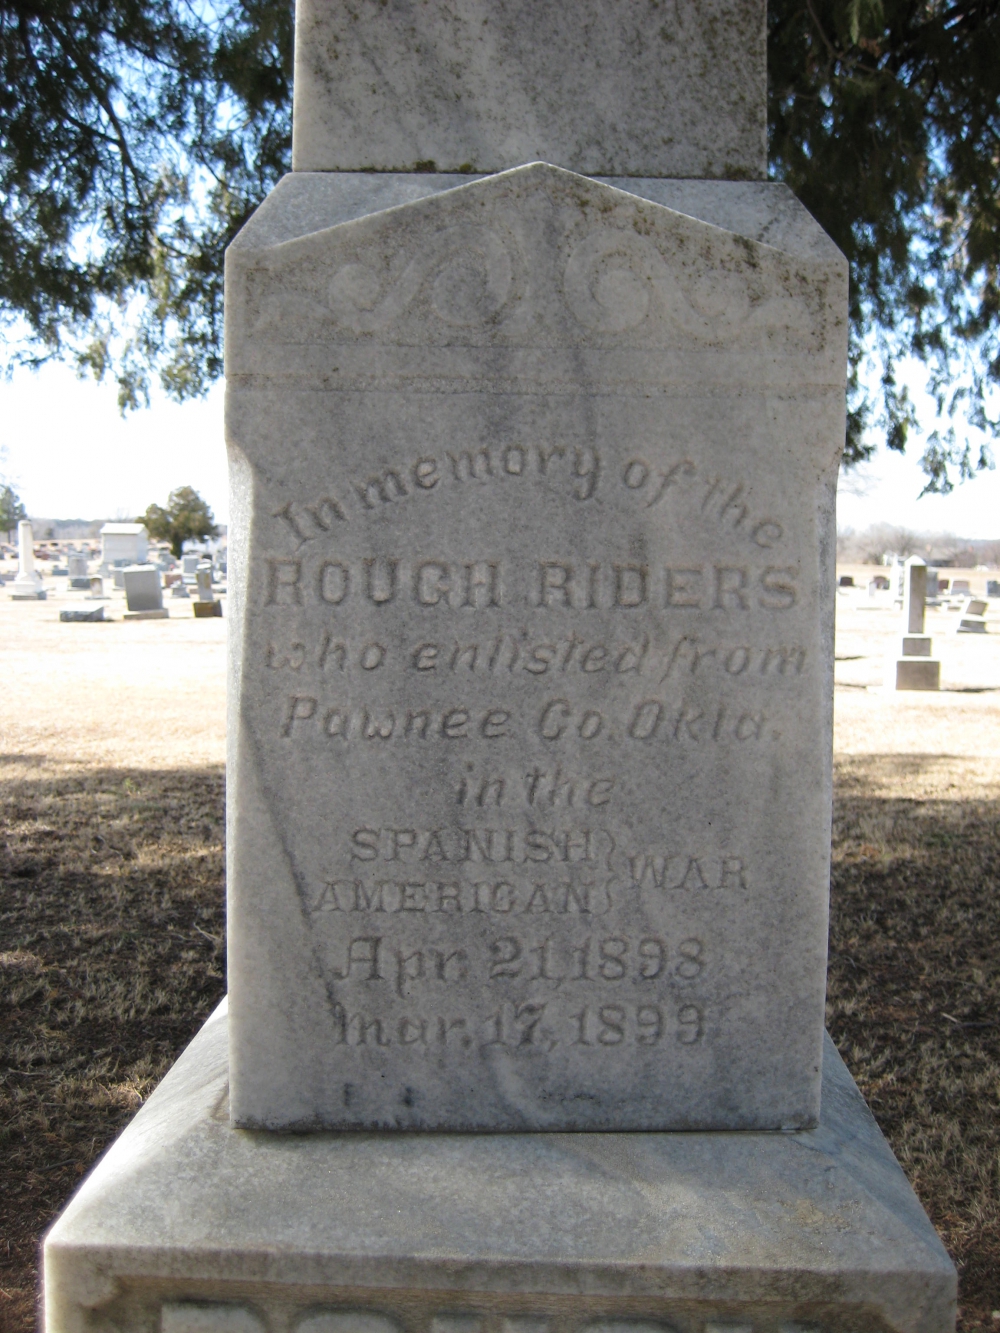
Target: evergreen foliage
[
  {"x": 186, "y": 518},
  {"x": 136, "y": 137},
  {"x": 11, "y": 510}
]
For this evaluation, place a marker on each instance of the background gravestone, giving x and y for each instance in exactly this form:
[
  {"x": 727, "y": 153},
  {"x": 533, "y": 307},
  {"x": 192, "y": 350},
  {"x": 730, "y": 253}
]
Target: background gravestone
[
  {"x": 913, "y": 668},
  {"x": 27, "y": 587},
  {"x": 143, "y": 594}
]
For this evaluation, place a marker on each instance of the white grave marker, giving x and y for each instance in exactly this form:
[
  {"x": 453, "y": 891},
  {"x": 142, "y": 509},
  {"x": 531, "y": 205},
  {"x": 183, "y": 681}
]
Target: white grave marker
[{"x": 27, "y": 587}]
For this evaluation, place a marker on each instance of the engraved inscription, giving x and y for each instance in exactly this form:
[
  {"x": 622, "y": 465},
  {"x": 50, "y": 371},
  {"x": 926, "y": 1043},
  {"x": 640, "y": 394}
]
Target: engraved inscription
[
  {"x": 306, "y": 715},
  {"x": 718, "y": 503},
  {"x": 482, "y": 584},
  {"x": 494, "y": 897},
  {"x": 525, "y": 1026},
  {"x": 520, "y": 656}
]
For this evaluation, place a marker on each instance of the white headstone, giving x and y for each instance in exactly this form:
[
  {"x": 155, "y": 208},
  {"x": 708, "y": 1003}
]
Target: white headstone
[
  {"x": 531, "y": 775},
  {"x": 203, "y": 578},
  {"x": 142, "y": 588},
  {"x": 28, "y": 584}
]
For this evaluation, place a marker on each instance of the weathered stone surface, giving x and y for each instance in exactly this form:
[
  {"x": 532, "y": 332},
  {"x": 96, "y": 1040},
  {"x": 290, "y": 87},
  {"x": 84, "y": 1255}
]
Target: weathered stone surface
[
  {"x": 914, "y": 673},
  {"x": 142, "y": 588},
  {"x": 914, "y": 595},
  {"x": 529, "y": 780},
  {"x": 190, "y": 1226},
  {"x": 624, "y": 88}
]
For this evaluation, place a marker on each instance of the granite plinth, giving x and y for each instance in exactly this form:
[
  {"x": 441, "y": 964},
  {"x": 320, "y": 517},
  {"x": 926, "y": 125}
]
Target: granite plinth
[
  {"x": 531, "y": 587},
  {"x": 627, "y": 88},
  {"x": 188, "y": 1225}
]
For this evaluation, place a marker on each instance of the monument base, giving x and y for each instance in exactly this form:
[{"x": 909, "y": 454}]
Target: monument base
[
  {"x": 162, "y": 614},
  {"x": 187, "y": 1225},
  {"x": 27, "y": 590},
  {"x": 913, "y": 673}
]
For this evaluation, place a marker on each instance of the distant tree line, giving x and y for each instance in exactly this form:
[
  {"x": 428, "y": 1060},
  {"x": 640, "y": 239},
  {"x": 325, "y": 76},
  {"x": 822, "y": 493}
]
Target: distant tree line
[{"x": 870, "y": 545}]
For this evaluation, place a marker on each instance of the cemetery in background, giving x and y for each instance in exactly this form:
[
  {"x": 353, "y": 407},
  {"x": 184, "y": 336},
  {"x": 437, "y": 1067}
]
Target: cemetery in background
[{"x": 112, "y": 931}]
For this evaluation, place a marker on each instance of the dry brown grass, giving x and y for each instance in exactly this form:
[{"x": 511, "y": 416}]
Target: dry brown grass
[
  {"x": 914, "y": 995},
  {"x": 111, "y": 956}
]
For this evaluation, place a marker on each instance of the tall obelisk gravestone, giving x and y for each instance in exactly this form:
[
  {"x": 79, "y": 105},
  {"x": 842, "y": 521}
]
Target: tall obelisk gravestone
[{"x": 536, "y": 396}]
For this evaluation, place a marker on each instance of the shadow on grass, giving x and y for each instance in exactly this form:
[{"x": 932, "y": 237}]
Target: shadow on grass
[
  {"x": 914, "y": 995},
  {"x": 111, "y": 929},
  {"x": 111, "y": 957}
]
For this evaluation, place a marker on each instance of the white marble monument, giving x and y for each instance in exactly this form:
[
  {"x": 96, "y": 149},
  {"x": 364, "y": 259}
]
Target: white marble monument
[
  {"x": 123, "y": 543},
  {"x": 27, "y": 587},
  {"x": 607, "y": 89},
  {"x": 531, "y": 584},
  {"x": 530, "y": 758}
]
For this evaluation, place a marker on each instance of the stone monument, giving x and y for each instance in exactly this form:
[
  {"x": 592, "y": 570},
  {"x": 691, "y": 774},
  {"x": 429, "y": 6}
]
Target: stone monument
[
  {"x": 972, "y": 618},
  {"x": 207, "y": 605},
  {"x": 27, "y": 587},
  {"x": 912, "y": 667},
  {"x": 77, "y": 570},
  {"x": 143, "y": 593},
  {"x": 533, "y": 471}
]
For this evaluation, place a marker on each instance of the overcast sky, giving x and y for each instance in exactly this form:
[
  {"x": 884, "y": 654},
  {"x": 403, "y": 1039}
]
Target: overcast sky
[{"x": 70, "y": 455}]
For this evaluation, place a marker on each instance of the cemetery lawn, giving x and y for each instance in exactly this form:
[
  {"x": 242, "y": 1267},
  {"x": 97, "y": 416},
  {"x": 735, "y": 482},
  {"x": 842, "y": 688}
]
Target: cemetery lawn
[
  {"x": 111, "y": 912},
  {"x": 111, "y": 957},
  {"x": 913, "y": 999}
]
